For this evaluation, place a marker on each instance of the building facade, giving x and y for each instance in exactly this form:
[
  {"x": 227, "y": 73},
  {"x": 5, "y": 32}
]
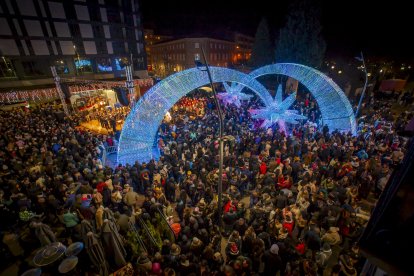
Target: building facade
[
  {"x": 151, "y": 39},
  {"x": 177, "y": 55},
  {"x": 243, "y": 50},
  {"x": 92, "y": 39}
]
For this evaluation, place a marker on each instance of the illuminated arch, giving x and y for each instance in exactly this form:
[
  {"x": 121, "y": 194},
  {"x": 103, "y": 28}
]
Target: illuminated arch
[
  {"x": 335, "y": 108},
  {"x": 138, "y": 137}
]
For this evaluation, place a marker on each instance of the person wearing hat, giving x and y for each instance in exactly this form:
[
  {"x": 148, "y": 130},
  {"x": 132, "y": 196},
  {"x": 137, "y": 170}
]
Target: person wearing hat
[
  {"x": 347, "y": 267},
  {"x": 272, "y": 260},
  {"x": 323, "y": 256},
  {"x": 144, "y": 264},
  {"x": 332, "y": 236},
  {"x": 196, "y": 246},
  {"x": 232, "y": 251},
  {"x": 185, "y": 267},
  {"x": 202, "y": 205},
  {"x": 131, "y": 199},
  {"x": 217, "y": 262},
  {"x": 172, "y": 259},
  {"x": 175, "y": 249}
]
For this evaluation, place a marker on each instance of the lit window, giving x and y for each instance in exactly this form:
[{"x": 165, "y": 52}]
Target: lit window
[
  {"x": 197, "y": 45},
  {"x": 197, "y": 56}
]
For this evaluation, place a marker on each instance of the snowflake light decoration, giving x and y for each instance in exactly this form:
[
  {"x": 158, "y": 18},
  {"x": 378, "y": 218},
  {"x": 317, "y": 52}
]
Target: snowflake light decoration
[
  {"x": 277, "y": 111},
  {"x": 233, "y": 95}
]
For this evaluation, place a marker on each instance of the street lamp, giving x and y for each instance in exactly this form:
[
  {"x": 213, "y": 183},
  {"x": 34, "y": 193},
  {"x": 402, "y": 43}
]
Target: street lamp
[
  {"x": 77, "y": 53},
  {"x": 204, "y": 67},
  {"x": 361, "y": 58}
]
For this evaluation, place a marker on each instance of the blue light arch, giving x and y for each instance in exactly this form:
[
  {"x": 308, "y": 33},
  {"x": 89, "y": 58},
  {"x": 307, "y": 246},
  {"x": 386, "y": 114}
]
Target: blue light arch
[
  {"x": 335, "y": 108},
  {"x": 138, "y": 139}
]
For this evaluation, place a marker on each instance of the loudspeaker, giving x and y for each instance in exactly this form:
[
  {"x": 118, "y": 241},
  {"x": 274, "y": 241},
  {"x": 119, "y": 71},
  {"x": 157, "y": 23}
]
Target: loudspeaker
[
  {"x": 122, "y": 94},
  {"x": 388, "y": 240}
]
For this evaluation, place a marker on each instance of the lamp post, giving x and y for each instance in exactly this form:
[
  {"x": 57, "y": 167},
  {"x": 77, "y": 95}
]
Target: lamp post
[
  {"x": 77, "y": 54},
  {"x": 221, "y": 140},
  {"x": 361, "y": 58}
]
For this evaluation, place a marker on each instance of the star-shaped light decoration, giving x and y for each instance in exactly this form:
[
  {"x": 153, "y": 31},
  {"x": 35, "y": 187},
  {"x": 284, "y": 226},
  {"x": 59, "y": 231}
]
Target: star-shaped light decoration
[
  {"x": 277, "y": 111},
  {"x": 232, "y": 95}
]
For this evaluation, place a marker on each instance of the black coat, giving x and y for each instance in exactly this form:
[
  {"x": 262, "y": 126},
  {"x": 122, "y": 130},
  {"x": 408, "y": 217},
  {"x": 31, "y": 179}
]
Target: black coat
[{"x": 273, "y": 263}]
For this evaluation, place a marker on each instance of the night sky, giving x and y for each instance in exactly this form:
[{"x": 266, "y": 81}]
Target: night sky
[{"x": 378, "y": 29}]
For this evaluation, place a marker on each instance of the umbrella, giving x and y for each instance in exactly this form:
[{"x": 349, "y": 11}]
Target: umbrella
[
  {"x": 74, "y": 249},
  {"x": 113, "y": 243},
  {"x": 68, "y": 264},
  {"x": 49, "y": 254},
  {"x": 86, "y": 227},
  {"x": 32, "y": 272},
  {"x": 44, "y": 233},
  {"x": 96, "y": 253}
]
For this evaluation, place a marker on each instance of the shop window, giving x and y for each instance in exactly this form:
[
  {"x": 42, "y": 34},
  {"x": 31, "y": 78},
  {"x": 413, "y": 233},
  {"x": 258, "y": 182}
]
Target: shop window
[
  {"x": 104, "y": 64},
  {"x": 61, "y": 67},
  {"x": 32, "y": 68},
  {"x": 120, "y": 63},
  {"x": 84, "y": 65}
]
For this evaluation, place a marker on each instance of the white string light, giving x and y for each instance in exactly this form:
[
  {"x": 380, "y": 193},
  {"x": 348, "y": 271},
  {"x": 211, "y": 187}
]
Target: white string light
[{"x": 75, "y": 86}]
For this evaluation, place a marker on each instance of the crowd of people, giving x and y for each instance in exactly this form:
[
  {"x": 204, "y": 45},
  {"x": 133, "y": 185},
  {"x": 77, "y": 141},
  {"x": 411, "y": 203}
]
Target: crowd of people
[
  {"x": 107, "y": 117},
  {"x": 294, "y": 203}
]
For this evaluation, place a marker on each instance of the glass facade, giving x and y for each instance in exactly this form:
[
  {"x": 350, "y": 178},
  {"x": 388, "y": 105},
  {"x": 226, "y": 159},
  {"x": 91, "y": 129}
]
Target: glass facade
[{"x": 74, "y": 36}]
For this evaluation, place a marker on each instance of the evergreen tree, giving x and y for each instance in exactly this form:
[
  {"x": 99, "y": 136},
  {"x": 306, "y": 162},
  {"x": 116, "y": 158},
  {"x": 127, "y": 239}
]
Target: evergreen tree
[
  {"x": 301, "y": 41},
  {"x": 262, "y": 52}
]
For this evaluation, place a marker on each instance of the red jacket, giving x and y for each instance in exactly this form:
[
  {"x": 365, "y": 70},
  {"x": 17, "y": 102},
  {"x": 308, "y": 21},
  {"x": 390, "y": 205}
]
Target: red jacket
[
  {"x": 100, "y": 186},
  {"x": 286, "y": 184},
  {"x": 288, "y": 227},
  {"x": 300, "y": 248},
  {"x": 263, "y": 168}
]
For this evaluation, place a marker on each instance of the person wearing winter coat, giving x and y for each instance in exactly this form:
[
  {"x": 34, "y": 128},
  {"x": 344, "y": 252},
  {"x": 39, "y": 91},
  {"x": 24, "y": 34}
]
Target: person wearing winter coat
[
  {"x": 272, "y": 261},
  {"x": 332, "y": 236},
  {"x": 131, "y": 199},
  {"x": 323, "y": 256}
]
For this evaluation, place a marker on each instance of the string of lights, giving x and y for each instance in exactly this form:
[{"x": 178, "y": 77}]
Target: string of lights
[{"x": 75, "y": 86}]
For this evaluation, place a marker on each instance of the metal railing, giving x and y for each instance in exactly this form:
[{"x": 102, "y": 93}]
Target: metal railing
[
  {"x": 164, "y": 220},
  {"x": 151, "y": 239},
  {"x": 133, "y": 228},
  {"x": 107, "y": 151}
]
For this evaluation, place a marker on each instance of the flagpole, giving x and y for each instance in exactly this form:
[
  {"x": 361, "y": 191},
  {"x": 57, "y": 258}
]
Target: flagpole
[{"x": 365, "y": 86}]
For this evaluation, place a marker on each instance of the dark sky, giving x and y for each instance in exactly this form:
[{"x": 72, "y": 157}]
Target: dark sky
[{"x": 349, "y": 26}]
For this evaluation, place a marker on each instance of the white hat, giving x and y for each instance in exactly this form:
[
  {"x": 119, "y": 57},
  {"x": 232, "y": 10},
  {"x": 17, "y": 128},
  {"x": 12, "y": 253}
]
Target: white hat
[{"x": 274, "y": 249}]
